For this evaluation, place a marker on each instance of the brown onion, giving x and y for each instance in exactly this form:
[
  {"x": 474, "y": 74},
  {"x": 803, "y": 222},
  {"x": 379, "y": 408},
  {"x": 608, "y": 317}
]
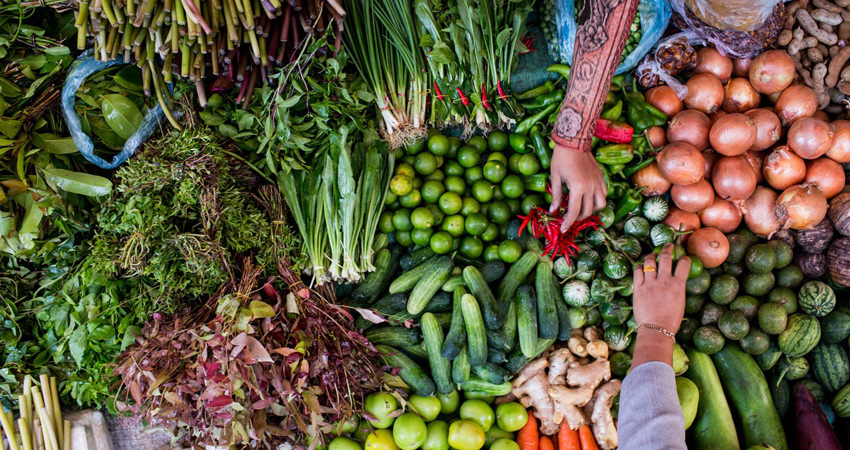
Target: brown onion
[
  {"x": 739, "y": 96},
  {"x": 651, "y": 179},
  {"x": 733, "y": 135},
  {"x": 693, "y": 197},
  {"x": 801, "y": 206},
  {"x": 657, "y": 137},
  {"x": 682, "y": 221},
  {"x": 795, "y": 102},
  {"x": 664, "y": 98},
  {"x": 783, "y": 168},
  {"x": 705, "y": 93},
  {"x": 721, "y": 214},
  {"x": 710, "y": 245},
  {"x": 733, "y": 178},
  {"x": 681, "y": 163},
  {"x": 710, "y": 158},
  {"x": 810, "y": 138},
  {"x": 768, "y": 126},
  {"x": 821, "y": 115},
  {"x": 741, "y": 67},
  {"x": 826, "y": 174},
  {"x": 756, "y": 160},
  {"x": 759, "y": 212},
  {"x": 772, "y": 98},
  {"x": 690, "y": 126},
  {"x": 772, "y": 71},
  {"x": 717, "y": 116},
  {"x": 711, "y": 61},
  {"x": 839, "y": 151}
]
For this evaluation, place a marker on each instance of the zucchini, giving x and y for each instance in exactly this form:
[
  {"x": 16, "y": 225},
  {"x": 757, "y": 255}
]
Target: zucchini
[
  {"x": 440, "y": 303},
  {"x": 407, "y": 280},
  {"x": 456, "y": 338},
  {"x": 394, "y": 336},
  {"x": 428, "y": 285},
  {"x": 410, "y": 372},
  {"x": 565, "y": 329},
  {"x": 460, "y": 368},
  {"x": 516, "y": 360},
  {"x": 526, "y": 306},
  {"x": 441, "y": 368},
  {"x": 491, "y": 373},
  {"x": 713, "y": 427},
  {"x": 386, "y": 265},
  {"x": 493, "y": 270},
  {"x": 388, "y": 306},
  {"x": 415, "y": 258},
  {"x": 479, "y": 386},
  {"x": 496, "y": 356},
  {"x": 479, "y": 288},
  {"x": 496, "y": 339},
  {"x": 514, "y": 278},
  {"x": 453, "y": 282},
  {"x": 476, "y": 339},
  {"x": 547, "y": 312}
]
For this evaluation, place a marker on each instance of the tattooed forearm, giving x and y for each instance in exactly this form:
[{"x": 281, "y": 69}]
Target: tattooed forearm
[{"x": 600, "y": 38}]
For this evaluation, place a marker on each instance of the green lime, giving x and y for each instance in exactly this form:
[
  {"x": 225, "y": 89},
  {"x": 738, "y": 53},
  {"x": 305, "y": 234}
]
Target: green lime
[
  {"x": 404, "y": 238},
  {"x": 426, "y": 163},
  {"x": 491, "y": 253},
  {"x": 405, "y": 169},
  {"x": 432, "y": 190},
  {"x": 473, "y": 174},
  {"x": 499, "y": 212},
  {"x": 421, "y": 218},
  {"x": 454, "y": 145},
  {"x": 437, "y": 175},
  {"x": 513, "y": 162},
  {"x": 529, "y": 202},
  {"x": 440, "y": 160},
  {"x": 401, "y": 220},
  {"x": 390, "y": 198},
  {"x": 409, "y": 160},
  {"x": 417, "y": 183},
  {"x": 528, "y": 164},
  {"x": 455, "y": 184},
  {"x": 515, "y": 204},
  {"x": 497, "y": 141},
  {"x": 421, "y": 237},
  {"x": 482, "y": 191},
  {"x": 401, "y": 185},
  {"x": 503, "y": 230},
  {"x": 412, "y": 199},
  {"x": 450, "y": 203},
  {"x": 470, "y": 206},
  {"x": 385, "y": 222},
  {"x": 512, "y": 186},
  {"x": 392, "y": 206},
  {"x": 696, "y": 267},
  {"x": 471, "y": 247},
  {"x": 441, "y": 242},
  {"x": 495, "y": 171},
  {"x": 485, "y": 209},
  {"x": 439, "y": 144},
  {"x": 344, "y": 443},
  {"x": 453, "y": 168},
  {"x": 510, "y": 251},
  {"x": 496, "y": 156},
  {"x": 479, "y": 142},
  {"x": 435, "y": 211},
  {"x": 497, "y": 193},
  {"x": 468, "y": 156},
  {"x": 415, "y": 147},
  {"x": 476, "y": 224},
  {"x": 491, "y": 233},
  {"x": 453, "y": 225}
]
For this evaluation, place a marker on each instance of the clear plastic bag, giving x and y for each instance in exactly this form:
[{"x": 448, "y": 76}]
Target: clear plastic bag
[
  {"x": 738, "y": 15},
  {"x": 82, "y": 68},
  {"x": 654, "y": 17},
  {"x": 670, "y": 57}
]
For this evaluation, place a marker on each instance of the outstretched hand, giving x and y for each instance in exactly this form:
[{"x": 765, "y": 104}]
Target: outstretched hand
[
  {"x": 659, "y": 295},
  {"x": 580, "y": 172}
]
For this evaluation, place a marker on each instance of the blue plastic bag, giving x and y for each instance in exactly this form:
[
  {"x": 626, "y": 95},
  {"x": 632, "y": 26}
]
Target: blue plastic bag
[
  {"x": 82, "y": 68},
  {"x": 654, "y": 17}
]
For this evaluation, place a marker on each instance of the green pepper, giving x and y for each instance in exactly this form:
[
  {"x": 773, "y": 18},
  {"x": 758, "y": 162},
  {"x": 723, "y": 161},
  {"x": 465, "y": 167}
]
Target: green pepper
[
  {"x": 518, "y": 142},
  {"x": 540, "y": 148},
  {"x": 613, "y": 113},
  {"x": 634, "y": 168},
  {"x": 537, "y": 182},
  {"x": 642, "y": 116},
  {"x": 617, "y": 189},
  {"x": 543, "y": 89},
  {"x": 561, "y": 69},
  {"x": 618, "y": 80},
  {"x": 641, "y": 144},
  {"x": 615, "y": 154},
  {"x": 610, "y": 99},
  {"x": 616, "y": 168},
  {"x": 630, "y": 200},
  {"x": 542, "y": 101},
  {"x": 525, "y": 126}
]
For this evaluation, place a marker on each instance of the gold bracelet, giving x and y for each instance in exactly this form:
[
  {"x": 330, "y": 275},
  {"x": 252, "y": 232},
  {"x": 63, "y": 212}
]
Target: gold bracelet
[{"x": 661, "y": 330}]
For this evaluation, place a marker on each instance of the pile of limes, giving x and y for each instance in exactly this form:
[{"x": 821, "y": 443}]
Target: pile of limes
[{"x": 460, "y": 197}]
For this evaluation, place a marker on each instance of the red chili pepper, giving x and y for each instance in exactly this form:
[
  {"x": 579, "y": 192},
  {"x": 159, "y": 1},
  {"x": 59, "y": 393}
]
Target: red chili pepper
[
  {"x": 463, "y": 98},
  {"x": 484, "y": 97},
  {"x": 437, "y": 90},
  {"x": 611, "y": 131},
  {"x": 500, "y": 90}
]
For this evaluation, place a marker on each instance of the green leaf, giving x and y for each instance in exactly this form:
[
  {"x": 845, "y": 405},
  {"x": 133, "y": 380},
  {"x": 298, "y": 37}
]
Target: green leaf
[
  {"x": 10, "y": 128},
  {"x": 52, "y": 143},
  {"x": 9, "y": 89},
  {"x": 211, "y": 119},
  {"x": 77, "y": 344},
  {"x": 502, "y": 38},
  {"x": 260, "y": 309},
  {"x": 290, "y": 102},
  {"x": 102, "y": 332},
  {"x": 121, "y": 114},
  {"x": 32, "y": 217},
  {"x": 426, "y": 40},
  {"x": 130, "y": 336},
  {"x": 130, "y": 78},
  {"x": 441, "y": 53},
  {"x": 78, "y": 183}
]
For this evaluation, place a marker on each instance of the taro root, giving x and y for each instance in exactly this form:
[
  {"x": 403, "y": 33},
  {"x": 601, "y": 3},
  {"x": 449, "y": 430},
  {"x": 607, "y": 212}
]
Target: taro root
[
  {"x": 838, "y": 261},
  {"x": 785, "y": 235},
  {"x": 813, "y": 265},
  {"x": 816, "y": 239},
  {"x": 839, "y": 213}
]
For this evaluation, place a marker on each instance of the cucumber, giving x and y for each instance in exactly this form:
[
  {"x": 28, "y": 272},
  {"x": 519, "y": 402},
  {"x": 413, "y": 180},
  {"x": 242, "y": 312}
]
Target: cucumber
[
  {"x": 713, "y": 427},
  {"x": 565, "y": 329},
  {"x": 516, "y": 360},
  {"x": 516, "y": 276},
  {"x": 440, "y": 303},
  {"x": 747, "y": 388},
  {"x": 547, "y": 311},
  {"x": 493, "y": 270},
  {"x": 386, "y": 265},
  {"x": 456, "y": 337},
  {"x": 407, "y": 280},
  {"x": 496, "y": 355},
  {"x": 496, "y": 339},
  {"x": 526, "y": 306},
  {"x": 509, "y": 328},
  {"x": 478, "y": 287},
  {"x": 410, "y": 372},
  {"x": 452, "y": 283},
  {"x": 394, "y": 336},
  {"x": 480, "y": 386},
  {"x": 415, "y": 258},
  {"x": 441, "y": 368},
  {"x": 427, "y": 286},
  {"x": 444, "y": 319},
  {"x": 491, "y": 373},
  {"x": 461, "y": 368},
  {"x": 417, "y": 351},
  {"x": 388, "y": 306},
  {"x": 476, "y": 338}
]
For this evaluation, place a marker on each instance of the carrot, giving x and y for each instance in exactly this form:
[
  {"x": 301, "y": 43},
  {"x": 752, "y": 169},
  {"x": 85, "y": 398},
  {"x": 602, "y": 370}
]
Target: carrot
[
  {"x": 588, "y": 442},
  {"x": 568, "y": 438},
  {"x": 546, "y": 443},
  {"x": 528, "y": 436}
]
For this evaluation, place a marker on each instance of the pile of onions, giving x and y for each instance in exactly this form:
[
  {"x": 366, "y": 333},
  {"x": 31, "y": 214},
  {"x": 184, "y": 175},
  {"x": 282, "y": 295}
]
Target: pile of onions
[
  {"x": 710, "y": 245},
  {"x": 768, "y": 126},
  {"x": 693, "y": 197},
  {"x": 795, "y": 102},
  {"x": 681, "y": 163},
  {"x": 759, "y": 212},
  {"x": 710, "y": 158},
  {"x": 822, "y": 116},
  {"x": 721, "y": 214},
  {"x": 772, "y": 71},
  {"x": 839, "y": 151},
  {"x": 690, "y": 126},
  {"x": 741, "y": 67},
  {"x": 783, "y": 168},
  {"x": 717, "y": 116},
  {"x": 826, "y": 174},
  {"x": 810, "y": 138},
  {"x": 711, "y": 61},
  {"x": 733, "y": 178},
  {"x": 657, "y": 137},
  {"x": 682, "y": 221},
  {"x": 801, "y": 206},
  {"x": 739, "y": 96},
  {"x": 651, "y": 179},
  {"x": 733, "y": 134},
  {"x": 705, "y": 93},
  {"x": 756, "y": 160},
  {"x": 665, "y": 99}
]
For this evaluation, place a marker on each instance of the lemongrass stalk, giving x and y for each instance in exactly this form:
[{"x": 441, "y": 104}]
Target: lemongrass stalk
[
  {"x": 50, "y": 440},
  {"x": 9, "y": 429},
  {"x": 81, "y": 37},
  {"x": 66, "y": 439},
  {"x": 57, "y": 409},
  {"x": 38, "y": 435},
  {"x": 158, "y": 88},
  {"x": 23, "y": 409},
  {"x": 26, "y": 439},
  {"x": 110, "y": 15}
]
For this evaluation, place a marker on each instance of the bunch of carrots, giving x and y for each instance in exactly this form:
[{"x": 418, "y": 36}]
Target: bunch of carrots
[{"x": 528, "y": 438}]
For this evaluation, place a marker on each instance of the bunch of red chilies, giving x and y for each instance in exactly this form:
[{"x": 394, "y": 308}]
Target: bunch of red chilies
[{"x": 544, "y": 223}]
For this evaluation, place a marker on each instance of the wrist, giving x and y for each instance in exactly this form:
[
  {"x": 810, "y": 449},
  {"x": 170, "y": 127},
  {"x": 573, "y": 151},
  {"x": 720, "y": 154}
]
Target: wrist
[{"x": 652, "y": 346}]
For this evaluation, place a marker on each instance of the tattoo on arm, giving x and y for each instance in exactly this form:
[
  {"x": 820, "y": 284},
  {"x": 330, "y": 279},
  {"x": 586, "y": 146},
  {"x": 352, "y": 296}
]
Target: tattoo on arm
[{"x": 599, "y": 43}]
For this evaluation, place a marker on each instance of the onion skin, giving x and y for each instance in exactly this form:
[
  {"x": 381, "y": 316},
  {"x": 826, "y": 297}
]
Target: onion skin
[
  {"x": 739, "y": 96},
  {"x": 710, "y": 245},
  {"x": 682, "y": 221},
  {"x": 759, "y": 213},
  {"x": 820, "y": 115},
  {"x": 772, "y": 71},
  {"x": 690, "y": 126},
  {"x": 733, "y": 134},
  {"x": 801, "y": 207},
  {"x": 717, "y": 116},
  {"x": 839, "y": 213},
  {"x": 664, "y": 98},
  {"x": 657, "y": 137},
  {"x": 705, "y": 93},
  {"x": 711, "y": 61},
  {"x": 733, "y": 178},
  {"x": 681, "y": 163},
  {"x": 693, "y": 197},
  {"x": 839, "y": 150},
  {"x": 768, "y": 126},
  {"x": 783, "y": 168},
  {"x": 813, "y": 265},
  {"x": 651, "y": 179},
  {"x": 741, "y": 67},
  {"x": 838, "y": 261},
  {"x": 826, "y": 174},
  {"x": 721, "y": 214},
  {"x": 817, "y": 238},
  {"x": 796, "y": 102},
  {"x": 756, "y": 160},
  {"x": 810, "y": 138}
]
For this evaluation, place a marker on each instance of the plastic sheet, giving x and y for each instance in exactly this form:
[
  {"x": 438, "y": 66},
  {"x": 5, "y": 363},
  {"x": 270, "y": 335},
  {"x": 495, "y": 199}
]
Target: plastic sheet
[
  {"x": 669, "y": 58},
  {"x": 738, "y": 15},
  {"x": 82, "y": 68}
]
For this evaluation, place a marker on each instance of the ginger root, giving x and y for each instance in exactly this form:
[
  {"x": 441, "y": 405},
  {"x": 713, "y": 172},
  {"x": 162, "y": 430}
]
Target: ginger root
[
  {"x": 603, "y": 423},
  {"x": 568, "y": 403},
  {"x": 559, "y": 361},
  {"x": 531, "y": 387}
]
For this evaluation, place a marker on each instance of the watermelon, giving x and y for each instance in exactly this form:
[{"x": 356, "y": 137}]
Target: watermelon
[
  {"x": 841, "y": 402},
  {"x": 816, "y": 298},
  {"x": 830, "y": 366},
  {"x": 801, "y": 335},
  {"x": 835, "y": 327},
  {"x": 793, "y": 368}
]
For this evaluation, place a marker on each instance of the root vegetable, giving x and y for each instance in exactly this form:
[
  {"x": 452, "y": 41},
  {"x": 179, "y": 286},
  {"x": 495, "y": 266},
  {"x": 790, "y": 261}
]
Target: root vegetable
[
  {"x": 785, "y": 37},
  {"x": 578, "y": 345},
  {"x": 795, "y": 102},
  {"x": 603, "y": 421},
  {"x": 531, "y": 387},
  {"x": 559, "y": 361},
  {"x": 768, "y": 126},
  {"x": 839, "y": 151},
  {"x": 826, "y": 174},
  {"x": 592, "y": 334},
  {"x": 568, "y": 403}
]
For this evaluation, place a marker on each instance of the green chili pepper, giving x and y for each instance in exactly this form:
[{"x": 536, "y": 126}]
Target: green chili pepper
[
  {"x": 634, "y": 168},
  {"x": 537, "y": 182},
  {"x": 615, "y": 154},
  {"x": 607, "y": 177},
  {"x": 543, "y": 89},
  {"x": 642, "y": 115},
  {"x": 525, "y": 126},
  {"x": 618, "y": 80},
  {"x": 614, "y": 112},
  {"x": 641, "y": 144},
  {"x": 542, "y": 101},
  {"x": 561, "y": 69},
  {"x": 518, "y": 142},
  {"x": 616, "y": 168},
  {"x": 540, "y": 148},
  {"x": 610, "y": 99},
  {"x": 630, "y": 200},
  {"x": 617, "y": 189}
]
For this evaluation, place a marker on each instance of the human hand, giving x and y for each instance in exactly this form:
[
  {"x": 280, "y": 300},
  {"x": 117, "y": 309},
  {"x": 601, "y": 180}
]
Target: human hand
[
  {"x": 659, "y": 295},
  {"x": 583, "y": 177}
]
